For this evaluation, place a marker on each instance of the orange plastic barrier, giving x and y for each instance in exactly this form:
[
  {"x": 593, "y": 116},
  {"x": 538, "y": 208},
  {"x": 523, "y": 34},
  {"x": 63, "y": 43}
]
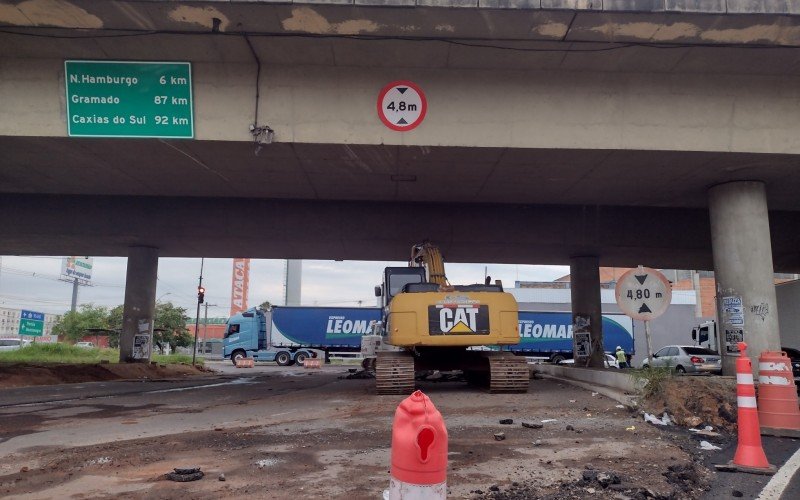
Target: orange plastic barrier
[
  {"x": 419, "y": 451},
  {"x": 777, "y": 394},
  {"x": 245, "y": 363},
  {"x": 312, "y": 363},
  {"x": 750, "y": 455}
]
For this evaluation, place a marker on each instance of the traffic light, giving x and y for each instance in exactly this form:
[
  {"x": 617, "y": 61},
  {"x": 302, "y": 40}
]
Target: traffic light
[{"x": 201, "y": 292}]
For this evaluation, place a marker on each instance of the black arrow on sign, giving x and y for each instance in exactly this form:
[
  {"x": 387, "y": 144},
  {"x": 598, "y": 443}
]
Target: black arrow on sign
[
  {"x": 640, "y": 278},
  {"x": 402, "y": 121},
  {"x": 644, "y": 309},
  {"x": 402, "y": 90}
]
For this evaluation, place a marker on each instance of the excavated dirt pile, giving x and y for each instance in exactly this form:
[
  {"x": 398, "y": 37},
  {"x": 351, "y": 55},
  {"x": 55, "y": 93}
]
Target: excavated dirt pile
[
  {"x": 28, "y": 374},
  {"x": 697, "y": 401}
]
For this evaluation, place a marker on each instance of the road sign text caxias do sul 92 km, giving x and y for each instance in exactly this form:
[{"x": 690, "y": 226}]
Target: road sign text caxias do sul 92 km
[
  {"x": 31, "y": 323},
  {"x": 643, "y": 293},
  {"x": 129, "y": 99},
  {"x": 402, "y": 105}
]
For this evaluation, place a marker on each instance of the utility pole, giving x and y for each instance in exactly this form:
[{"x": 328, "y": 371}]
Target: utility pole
[
  {"x": 205, "y": 324},
  {"x": 74, "y": 295},
  {"x": 201, "y": 292}
]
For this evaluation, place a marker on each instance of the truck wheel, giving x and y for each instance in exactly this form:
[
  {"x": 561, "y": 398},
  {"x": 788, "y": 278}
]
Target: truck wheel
[
  {"x": 236, "y": 355},
  {"x": 300, "y": 358},
  {"x": 283, "y": 358},
  {"x": 557, "y": 358}
]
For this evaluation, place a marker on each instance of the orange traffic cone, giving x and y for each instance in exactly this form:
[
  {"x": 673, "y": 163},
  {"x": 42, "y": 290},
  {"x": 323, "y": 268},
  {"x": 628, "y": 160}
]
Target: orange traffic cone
[
  {"x": 750, "y": 455},
  {"x": 419, "y": 451},
  {"x": 778, "y": 411}
]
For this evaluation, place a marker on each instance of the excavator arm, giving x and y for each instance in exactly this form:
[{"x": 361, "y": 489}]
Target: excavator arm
[{"x": 428, "y": 256}]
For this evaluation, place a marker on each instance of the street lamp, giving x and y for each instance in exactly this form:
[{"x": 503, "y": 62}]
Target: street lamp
[{"x": 162, "y": 296}]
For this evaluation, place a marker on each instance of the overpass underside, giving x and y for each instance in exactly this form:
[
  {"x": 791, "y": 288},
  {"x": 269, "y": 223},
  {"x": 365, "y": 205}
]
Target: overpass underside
[{"x": 554, "y": 129}]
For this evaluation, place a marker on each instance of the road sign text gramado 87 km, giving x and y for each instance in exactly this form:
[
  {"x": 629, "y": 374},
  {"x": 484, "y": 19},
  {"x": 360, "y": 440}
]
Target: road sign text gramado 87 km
[
  {"x": 643, "y": 293},
  {"x": 129, "y": 99}
]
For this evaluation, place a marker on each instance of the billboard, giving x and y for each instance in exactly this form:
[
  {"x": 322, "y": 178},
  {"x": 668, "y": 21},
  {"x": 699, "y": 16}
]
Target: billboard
[
  {"x": 240, "y": 282},
  {"x": 77, "y": 267}
]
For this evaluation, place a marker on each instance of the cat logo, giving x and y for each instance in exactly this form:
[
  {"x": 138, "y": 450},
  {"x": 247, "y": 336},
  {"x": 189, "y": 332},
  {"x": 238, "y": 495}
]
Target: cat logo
[{"x": 458, "y": 319}]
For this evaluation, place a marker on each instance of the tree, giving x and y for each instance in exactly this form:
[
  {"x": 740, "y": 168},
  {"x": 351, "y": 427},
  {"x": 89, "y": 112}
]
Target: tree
[
  {"x": 114, "y": 326},
  {"x": 170, "y": 326},
  {"x": 266, "y": 305},
  {"x": 73, "y": 324}
]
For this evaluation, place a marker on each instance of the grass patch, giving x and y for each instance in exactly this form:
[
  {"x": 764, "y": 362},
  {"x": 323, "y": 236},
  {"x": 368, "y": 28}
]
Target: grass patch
[
  {"x": 175, "y": 359},
  {"x": 652, "y": 379},
  {"x": 65, "y": 353},
  {"x": 58, "y": 353}
]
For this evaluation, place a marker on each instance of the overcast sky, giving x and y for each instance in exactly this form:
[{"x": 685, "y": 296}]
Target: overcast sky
[{"x": 32, "y": 282}]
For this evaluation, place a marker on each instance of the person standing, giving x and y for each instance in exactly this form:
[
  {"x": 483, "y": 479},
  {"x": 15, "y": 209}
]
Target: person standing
[{"x": 622, "y": 359}]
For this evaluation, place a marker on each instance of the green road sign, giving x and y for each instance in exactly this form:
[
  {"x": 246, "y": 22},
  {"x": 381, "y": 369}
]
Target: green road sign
[
  {"x": 129, "y": 99},
  {"x": 31, "y": 323}
]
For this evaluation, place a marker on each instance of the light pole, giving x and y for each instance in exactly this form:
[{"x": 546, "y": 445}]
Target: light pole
[
  {"x": 162, "y": 296},
  {"x": 201, "y": 292}
]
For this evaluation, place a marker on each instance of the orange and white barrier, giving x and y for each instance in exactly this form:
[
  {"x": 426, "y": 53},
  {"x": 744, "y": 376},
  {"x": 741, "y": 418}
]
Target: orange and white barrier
[
  {"x": 419, "y": 451},
  {"x": 245, "y": 363},
  {"x": 777, "y": 395},
  {"x": 312, "y": 363},
  {"x": 750, "y": 455}
]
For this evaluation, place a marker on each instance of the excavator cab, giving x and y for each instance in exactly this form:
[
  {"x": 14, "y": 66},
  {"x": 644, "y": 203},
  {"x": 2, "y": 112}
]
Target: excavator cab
[{"x": 395, "y": 280}]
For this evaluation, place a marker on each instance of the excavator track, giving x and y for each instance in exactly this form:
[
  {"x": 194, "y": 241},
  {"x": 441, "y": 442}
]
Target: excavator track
[
  {"x": 508, "y": 373},
  {"x": 394, "y": 373}
]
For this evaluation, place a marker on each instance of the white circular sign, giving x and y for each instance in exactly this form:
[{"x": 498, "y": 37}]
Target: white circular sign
[
  {"x": 402, "y": 105},
  {"x": 643, "y": 293}
]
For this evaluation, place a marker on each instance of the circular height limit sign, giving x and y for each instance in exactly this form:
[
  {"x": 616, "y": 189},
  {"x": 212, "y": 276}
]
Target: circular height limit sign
[
  {"x": 643, "y": 293},
  {"x": 402, "y": 106}
]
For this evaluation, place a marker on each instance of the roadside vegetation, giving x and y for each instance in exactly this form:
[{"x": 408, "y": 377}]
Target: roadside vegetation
[
  {"x": 65, "y": 353},
  {"x": 169, "y": 325},
  {"x": 652, "y": 380}
]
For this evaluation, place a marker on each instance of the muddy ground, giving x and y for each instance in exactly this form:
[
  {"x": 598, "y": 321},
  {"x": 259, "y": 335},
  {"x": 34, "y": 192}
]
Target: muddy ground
[{"x": 286, "y": 433}]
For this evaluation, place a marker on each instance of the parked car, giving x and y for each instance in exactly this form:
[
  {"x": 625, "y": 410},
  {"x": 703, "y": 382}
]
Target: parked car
[
  {"x": 85, "y": 345},
  {"x": 687, "y": 359},
  {"x": 11, "y": 344},
  {"x": 611, "y": 361}
]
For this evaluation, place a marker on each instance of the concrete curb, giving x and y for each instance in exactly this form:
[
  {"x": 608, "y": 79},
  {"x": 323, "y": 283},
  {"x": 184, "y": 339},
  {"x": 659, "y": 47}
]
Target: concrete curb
[{"x": 629, "y": 401}]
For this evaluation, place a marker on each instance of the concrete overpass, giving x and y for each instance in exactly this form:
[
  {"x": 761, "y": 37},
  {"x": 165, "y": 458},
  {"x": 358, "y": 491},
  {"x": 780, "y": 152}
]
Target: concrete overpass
[{"x": 555, "y": 129}]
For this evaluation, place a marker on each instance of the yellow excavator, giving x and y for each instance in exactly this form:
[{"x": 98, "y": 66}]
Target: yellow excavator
[{"x": 432, "y": 325}]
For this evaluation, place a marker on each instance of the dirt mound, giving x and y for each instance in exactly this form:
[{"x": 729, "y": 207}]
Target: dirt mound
[
  {"x": 692, "y": 401},
  {"x": 26, "y": 374}
]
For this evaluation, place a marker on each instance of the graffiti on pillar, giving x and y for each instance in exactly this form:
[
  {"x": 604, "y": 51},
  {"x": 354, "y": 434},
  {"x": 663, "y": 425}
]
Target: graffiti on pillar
[
  {"x": 732, "y": 339},
  {"x": 141, "y": 341},
  {"x": 141, "y": 346},
  {"x": 581, "y": 336},
  {"x": 583, "y": 344},
  {"x": 761, "y": 310},
  {"x": 732, "y": 310}
]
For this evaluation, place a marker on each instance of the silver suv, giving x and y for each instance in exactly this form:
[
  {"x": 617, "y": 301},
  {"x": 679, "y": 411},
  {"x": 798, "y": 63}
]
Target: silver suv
[{"x": 687, "y": 359}]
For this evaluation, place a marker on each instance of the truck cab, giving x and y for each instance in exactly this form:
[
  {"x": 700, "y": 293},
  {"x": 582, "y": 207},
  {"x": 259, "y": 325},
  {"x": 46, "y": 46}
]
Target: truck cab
[
  {"x": 247, "y": 335},
  {"x": 705, "y": 335}
]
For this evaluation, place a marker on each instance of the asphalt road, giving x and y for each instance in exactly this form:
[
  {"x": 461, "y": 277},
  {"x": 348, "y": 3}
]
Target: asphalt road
[{"x": 36, "y": 414}]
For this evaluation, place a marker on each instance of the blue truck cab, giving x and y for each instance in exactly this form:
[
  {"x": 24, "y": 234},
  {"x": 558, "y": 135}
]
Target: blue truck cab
[{"x": 247, "y": 335}]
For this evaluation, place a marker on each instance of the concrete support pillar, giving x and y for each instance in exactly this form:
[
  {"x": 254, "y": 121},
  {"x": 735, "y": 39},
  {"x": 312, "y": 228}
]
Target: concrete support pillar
[
  {"x": 136, "y": 338},
  {"x": 740, "y": 239},
  {"x": 587, "y": 308}
]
